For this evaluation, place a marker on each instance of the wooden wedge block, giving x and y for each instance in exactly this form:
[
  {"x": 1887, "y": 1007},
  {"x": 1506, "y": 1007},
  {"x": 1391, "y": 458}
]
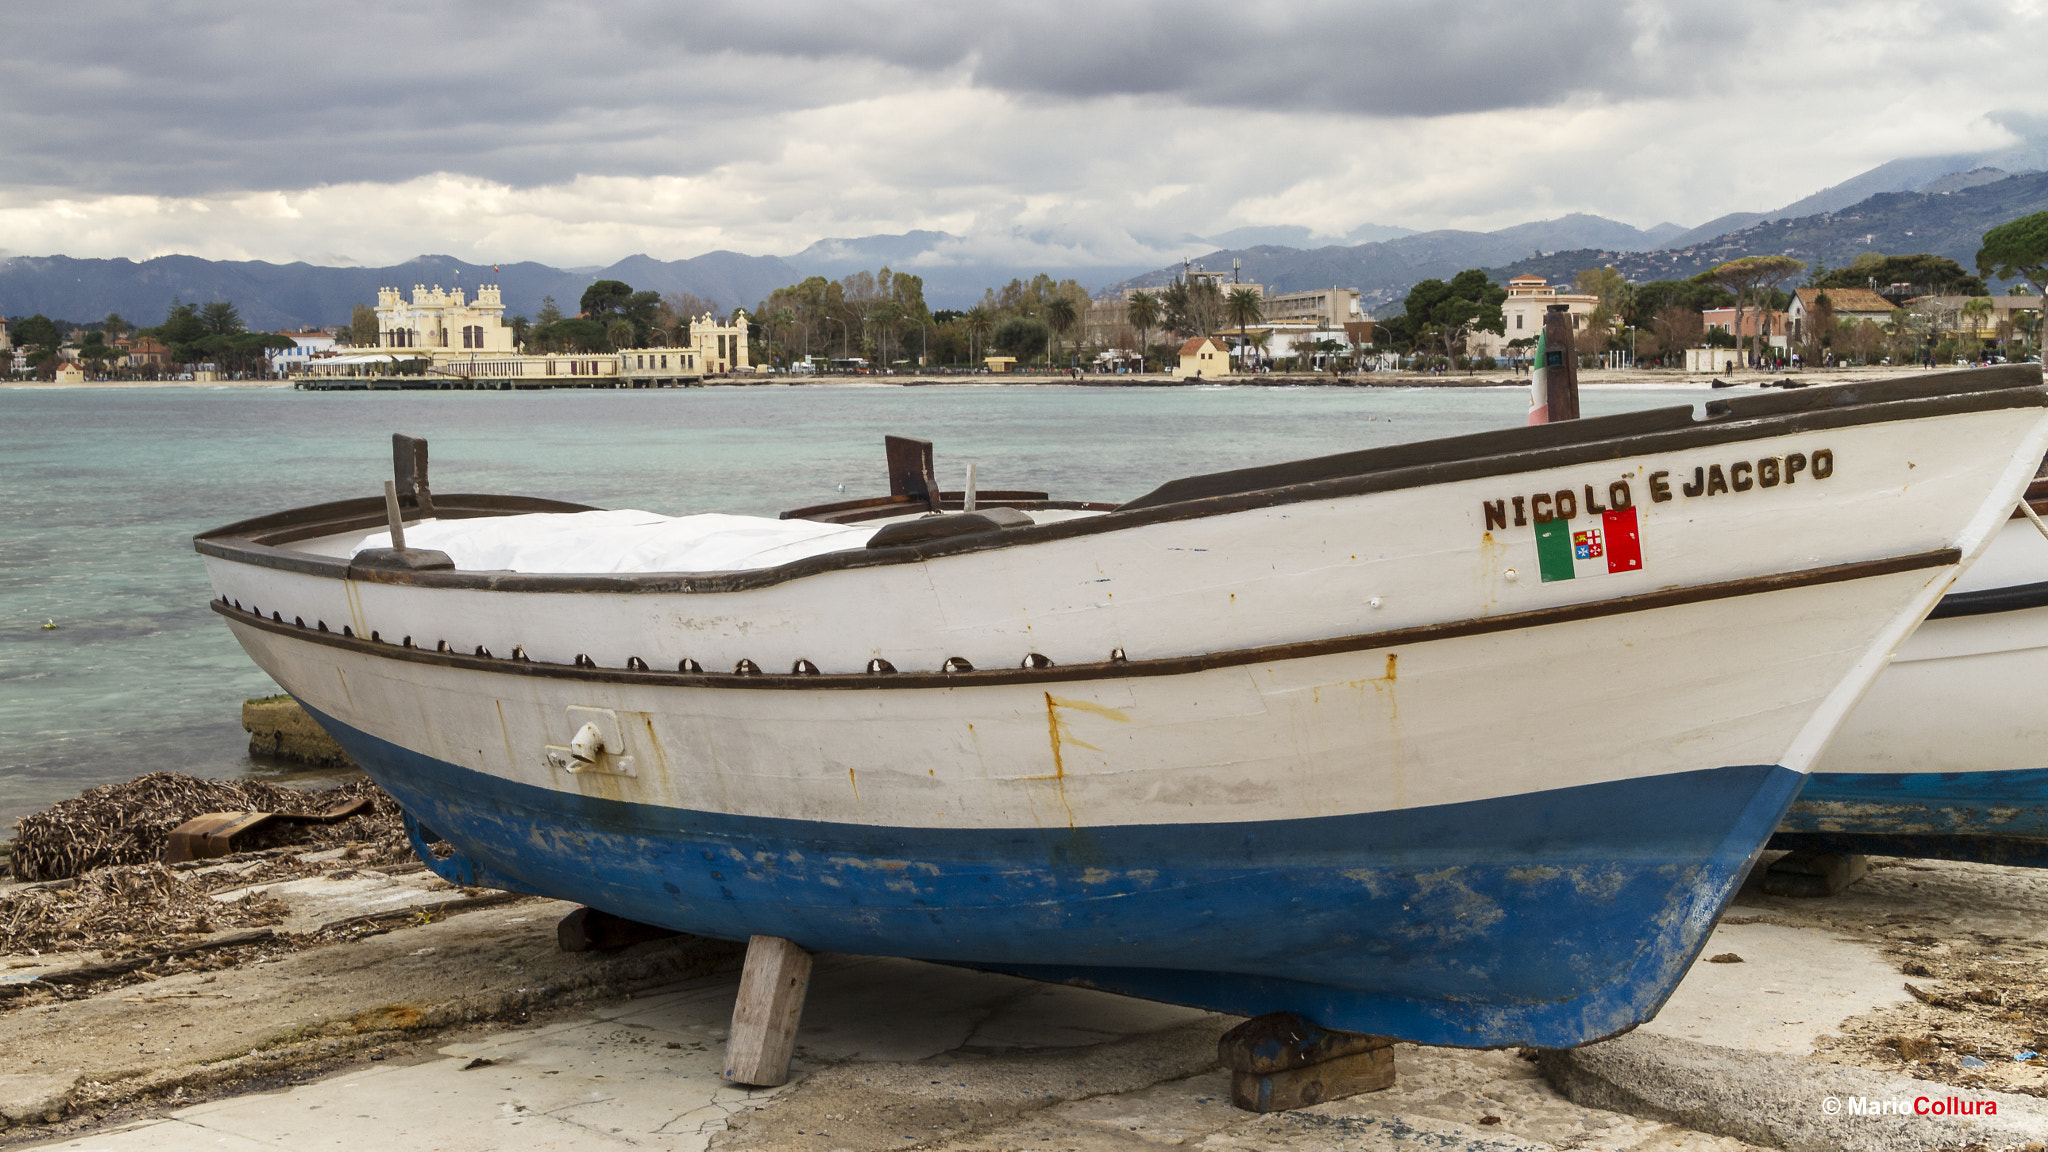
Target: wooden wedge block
[
  {"x": 1280, "y": 1061},
  {"x": 1279, "y": 1041},
  {"x": 589, "y": 930},
  {"x": 1301, "y": 1087},
  {"x": 766, "y": 1014},
  {"x": 1807, "y": 873}
]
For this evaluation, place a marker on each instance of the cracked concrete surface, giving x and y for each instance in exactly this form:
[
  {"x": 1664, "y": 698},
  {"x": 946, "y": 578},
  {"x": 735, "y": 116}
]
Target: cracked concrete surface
[
  {"x": 892, "y": 1054},
  {"x": 896, "y": 1054}
]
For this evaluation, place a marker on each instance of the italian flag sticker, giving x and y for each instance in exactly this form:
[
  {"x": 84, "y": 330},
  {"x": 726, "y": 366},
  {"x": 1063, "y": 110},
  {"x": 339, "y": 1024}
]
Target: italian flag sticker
[{"x": 1589, "y": 545}]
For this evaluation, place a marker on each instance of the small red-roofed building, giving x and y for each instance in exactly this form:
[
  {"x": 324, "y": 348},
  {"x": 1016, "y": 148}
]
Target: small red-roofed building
[
  {"x": 148, "y": 354},
  {"x": 1854, "y": 304},
  {"x": 1203, "y": 356}
]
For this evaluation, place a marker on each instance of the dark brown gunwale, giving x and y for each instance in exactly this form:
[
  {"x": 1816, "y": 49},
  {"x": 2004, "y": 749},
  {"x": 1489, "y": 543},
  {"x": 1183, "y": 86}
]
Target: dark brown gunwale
[
  {"x": 1118, "y": 669},
  {"x": 1585, "y": 441}
]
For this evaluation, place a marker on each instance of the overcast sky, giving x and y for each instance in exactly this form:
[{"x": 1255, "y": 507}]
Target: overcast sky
[{"x": 1057, "y": 132}]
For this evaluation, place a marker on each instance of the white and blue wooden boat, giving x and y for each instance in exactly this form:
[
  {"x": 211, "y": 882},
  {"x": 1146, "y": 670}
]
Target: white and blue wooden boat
[
  {"x": 1948, "y": 755},
  {"x": 1466, "y": 742}
]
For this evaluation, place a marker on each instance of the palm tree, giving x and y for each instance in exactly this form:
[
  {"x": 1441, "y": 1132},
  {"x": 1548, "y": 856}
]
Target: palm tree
[
  {"x": 1142, "y": 310},
  {"x": 1060, "y": 315},
  {"x": 1245, "y": 308},
  {"x": 979, "y": 320},
  {"x": 1976, "y": 312}
]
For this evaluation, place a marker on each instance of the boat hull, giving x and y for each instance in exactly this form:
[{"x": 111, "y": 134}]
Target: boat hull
[
  {"x": 1539, "y": 919},
  {"x": 1352, "y": 835},
  {"x": 1465, "y": 743},
  {"x": 1947, "y": 757}
]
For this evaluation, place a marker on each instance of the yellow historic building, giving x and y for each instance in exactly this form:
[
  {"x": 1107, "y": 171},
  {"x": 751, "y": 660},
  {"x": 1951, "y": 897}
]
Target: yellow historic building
[
  {"x": 439, "y": 321},
  {"x": 720, "y": 348},
  {"x": 468, "y": 340}
]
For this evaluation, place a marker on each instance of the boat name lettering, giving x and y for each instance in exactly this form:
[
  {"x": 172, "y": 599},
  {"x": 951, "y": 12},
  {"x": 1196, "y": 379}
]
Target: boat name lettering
[
  {"x": 1707, "y": 480},
  {"x": 1563, "y": 504},
  {"x": 1743, "y": 475}
]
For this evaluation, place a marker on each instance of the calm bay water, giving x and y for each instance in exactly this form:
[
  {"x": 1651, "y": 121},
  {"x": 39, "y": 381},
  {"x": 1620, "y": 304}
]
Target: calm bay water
[{"x": 104, "y": 488}]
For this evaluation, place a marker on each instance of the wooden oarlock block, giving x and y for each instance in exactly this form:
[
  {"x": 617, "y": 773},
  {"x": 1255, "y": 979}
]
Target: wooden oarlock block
[
  {"x": 1280, "y": 1061},
  {"x": 765, "y": 1017}
]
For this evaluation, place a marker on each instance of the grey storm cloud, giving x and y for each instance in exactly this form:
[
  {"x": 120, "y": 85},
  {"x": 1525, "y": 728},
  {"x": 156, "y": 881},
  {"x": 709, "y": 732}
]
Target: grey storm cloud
[
  {"x": 176, "y": 97},
  {"x": 1375, "y": 58}
]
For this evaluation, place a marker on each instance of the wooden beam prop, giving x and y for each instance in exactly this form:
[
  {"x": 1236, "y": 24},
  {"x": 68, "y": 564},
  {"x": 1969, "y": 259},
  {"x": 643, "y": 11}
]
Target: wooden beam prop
[{"x": 765, "y": 1017}]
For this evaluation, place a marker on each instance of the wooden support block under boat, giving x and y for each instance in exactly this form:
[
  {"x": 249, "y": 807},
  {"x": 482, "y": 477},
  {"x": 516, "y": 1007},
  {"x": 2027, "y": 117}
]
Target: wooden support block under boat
[
  {"x": 1304, "y": 1087},
  {"x": 1281, "y": 1061},
  {"x": 589, "y": 930},
  {"x": 1808, "y": 873},
  {"x": 765, "y": 1017}
]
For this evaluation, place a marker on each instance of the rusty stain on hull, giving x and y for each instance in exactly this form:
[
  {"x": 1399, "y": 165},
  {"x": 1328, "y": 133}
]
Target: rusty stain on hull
[
  {"x": 1058, "y": 738},
  {"x": 505, "y": 730}
]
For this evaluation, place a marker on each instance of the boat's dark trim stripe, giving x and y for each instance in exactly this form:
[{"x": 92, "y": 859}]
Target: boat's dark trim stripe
[
  {"x": 1989, "y": 600},
  {"x": 1399, "y": 467},
  {"x": 1121, "y": 669}
]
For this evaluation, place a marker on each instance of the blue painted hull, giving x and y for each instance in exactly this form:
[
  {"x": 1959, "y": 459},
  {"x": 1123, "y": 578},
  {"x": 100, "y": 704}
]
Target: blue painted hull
[
  {"x": 1987, "y": 817},
  {"x": 1550, "y": 919}
]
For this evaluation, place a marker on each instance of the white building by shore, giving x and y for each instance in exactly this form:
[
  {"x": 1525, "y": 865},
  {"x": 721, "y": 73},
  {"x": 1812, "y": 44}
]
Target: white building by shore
[
  {"x": 1322, "y": 307},
  {"x": 305, "y": 346},
  {"x": 1528, "y": 298}
]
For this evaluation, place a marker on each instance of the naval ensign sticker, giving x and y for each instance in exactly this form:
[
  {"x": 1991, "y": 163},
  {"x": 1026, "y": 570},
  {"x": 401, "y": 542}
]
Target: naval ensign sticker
[
  {"x": 1577, "y": 538},
  {"x": 1596, "y": 545}
]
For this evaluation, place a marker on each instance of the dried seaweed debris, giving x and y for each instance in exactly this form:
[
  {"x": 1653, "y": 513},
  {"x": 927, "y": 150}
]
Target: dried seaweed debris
[
  {"x": 131, "y": 906},
  {"x": 129, "y": 823}
]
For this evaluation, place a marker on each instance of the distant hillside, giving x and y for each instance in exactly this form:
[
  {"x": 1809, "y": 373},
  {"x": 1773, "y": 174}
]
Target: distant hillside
[
  {"x": 1912, "y": 174},
  {"x": 286, "y": 296},
  {"x": 1948, "y": 224},
  {"x": 955, "y": 272},
  {"x": 1383, "y": 271}
]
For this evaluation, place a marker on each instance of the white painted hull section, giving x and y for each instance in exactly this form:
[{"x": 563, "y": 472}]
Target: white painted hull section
[
  {"x": 1756, "y": 679},
  {"x": 1442, "y": 722},
  {"x": 1272, "y": 575},
  {"x": 1964, "y": 693}
]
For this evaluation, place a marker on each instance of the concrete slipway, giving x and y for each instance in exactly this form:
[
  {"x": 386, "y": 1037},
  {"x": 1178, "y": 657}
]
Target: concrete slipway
[{"x": 475, "y": 1032}]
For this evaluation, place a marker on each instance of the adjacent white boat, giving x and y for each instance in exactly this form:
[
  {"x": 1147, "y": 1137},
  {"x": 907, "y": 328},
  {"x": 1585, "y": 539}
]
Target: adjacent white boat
[
  {"x": 1465, "y": 742},
  {"x": 1948, "y": 755}
]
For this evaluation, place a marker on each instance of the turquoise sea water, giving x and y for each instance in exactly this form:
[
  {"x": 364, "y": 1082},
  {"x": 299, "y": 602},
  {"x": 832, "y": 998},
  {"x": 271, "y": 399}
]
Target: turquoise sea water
[{"x": 101, "y": 491}]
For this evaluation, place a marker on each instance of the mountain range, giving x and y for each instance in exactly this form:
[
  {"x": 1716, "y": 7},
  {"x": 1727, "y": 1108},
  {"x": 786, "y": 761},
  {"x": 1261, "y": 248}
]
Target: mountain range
[
  {"x": 1938, "y": 204},
  {"x": 1946, "y": 223},
  {"x": 1384, "y": 270},
  {"x": 279, "y": 297}
]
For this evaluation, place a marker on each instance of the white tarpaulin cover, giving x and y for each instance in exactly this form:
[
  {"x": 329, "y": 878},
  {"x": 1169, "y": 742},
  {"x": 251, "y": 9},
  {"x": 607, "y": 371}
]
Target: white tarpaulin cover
[{"x": 624, "y": 541}]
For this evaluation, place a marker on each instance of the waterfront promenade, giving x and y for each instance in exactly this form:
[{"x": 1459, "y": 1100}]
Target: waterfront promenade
[
  {"x": 1634, "y": 377},
  {"x": 1591, "y": 377}
]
